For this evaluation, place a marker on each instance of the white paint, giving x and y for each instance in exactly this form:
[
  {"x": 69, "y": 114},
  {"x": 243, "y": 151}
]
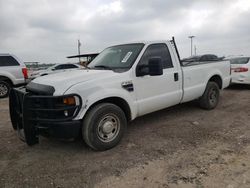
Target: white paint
[{"x": 151, "y": 93}]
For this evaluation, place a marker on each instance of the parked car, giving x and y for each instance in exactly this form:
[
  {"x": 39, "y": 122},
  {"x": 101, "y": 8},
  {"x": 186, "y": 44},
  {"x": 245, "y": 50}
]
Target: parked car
[
  {"x": 55, "y": 69},
  {"x": 13, "y": 72},
  {"x": 240, "y": 70},
  {"x": 122, "y": 83},
  {"x": 201, "y": 58}
]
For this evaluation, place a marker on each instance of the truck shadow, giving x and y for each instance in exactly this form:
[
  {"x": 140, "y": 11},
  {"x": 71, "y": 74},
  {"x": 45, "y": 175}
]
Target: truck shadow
[{"x": 238, "y": 87}]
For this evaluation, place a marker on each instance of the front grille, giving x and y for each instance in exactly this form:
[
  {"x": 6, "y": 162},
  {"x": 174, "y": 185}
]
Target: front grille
[{"x": 42, "y": 108}]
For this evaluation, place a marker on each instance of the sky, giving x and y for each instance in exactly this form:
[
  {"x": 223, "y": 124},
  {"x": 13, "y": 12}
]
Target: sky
[{"x": 47, "y": 31}]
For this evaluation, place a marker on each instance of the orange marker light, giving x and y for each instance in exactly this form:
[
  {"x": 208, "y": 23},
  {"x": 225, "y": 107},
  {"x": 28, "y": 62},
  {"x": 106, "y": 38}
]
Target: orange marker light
[{"x": 69, "y": 101}]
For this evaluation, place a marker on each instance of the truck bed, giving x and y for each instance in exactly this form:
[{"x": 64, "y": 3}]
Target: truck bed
[{"x": 196, "y": 75}]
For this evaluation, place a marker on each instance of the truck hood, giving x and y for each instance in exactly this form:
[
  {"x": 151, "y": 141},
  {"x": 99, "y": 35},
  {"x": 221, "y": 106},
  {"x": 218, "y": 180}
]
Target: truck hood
[{"x": 64, "y": 80}]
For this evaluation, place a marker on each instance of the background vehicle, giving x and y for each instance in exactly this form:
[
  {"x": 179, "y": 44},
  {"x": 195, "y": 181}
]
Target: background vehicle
[
  {"x": 55, "y": 69},
  {"x": 201, "y": 58},
  {"x": 123, "y": 82},
  {"x": 13, "y": 72},
  {"x": 240, "y": 70}
]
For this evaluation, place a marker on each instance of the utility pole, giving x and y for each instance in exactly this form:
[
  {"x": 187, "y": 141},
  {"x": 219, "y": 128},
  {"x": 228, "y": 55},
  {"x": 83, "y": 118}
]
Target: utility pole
[
  {"x": 195, "y": 50},
  {"x": 79, "y": 49},
  {"x": 191, "y": 39}
]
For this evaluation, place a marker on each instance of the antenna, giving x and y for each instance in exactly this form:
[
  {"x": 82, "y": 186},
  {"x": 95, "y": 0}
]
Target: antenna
[{"x": 176, "y": 49}]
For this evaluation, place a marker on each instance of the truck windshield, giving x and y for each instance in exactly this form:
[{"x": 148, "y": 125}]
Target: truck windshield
[{"x": 119, "y": 57}]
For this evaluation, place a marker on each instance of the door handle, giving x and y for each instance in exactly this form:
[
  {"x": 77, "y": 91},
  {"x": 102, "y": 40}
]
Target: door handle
[{"x": 176, "y": 76}]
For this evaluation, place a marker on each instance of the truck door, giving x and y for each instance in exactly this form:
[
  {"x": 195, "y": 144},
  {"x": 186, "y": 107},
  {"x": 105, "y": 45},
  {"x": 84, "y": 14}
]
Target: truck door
[{"x": 158, "y": 92}]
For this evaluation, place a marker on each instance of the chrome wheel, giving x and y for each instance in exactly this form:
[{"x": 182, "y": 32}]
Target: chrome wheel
[
  {"x": 3, "y": 89},
  {"x": 108, "y": 128}
]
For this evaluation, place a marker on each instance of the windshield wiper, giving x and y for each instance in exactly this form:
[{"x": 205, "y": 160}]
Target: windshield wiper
[{"x": 103, "y": 66}]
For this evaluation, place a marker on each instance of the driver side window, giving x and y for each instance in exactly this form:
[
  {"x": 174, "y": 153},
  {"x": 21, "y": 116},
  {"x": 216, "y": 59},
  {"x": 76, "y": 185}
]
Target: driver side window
[{"x": 155, "y": 50}]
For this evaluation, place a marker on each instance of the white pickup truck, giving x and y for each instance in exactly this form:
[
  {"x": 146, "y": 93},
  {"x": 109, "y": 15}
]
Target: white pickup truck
[{"x": 123, "y": 82}]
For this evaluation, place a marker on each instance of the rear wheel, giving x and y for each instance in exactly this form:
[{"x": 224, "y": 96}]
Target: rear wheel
[
  {"x": 104, "y": 126},
  {"x": 4, "y": 89},
  {"x": 210, "y": 98}
]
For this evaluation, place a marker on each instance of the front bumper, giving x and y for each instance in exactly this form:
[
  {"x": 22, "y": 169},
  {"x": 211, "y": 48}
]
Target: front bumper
[{"x": 45, "y": 115}]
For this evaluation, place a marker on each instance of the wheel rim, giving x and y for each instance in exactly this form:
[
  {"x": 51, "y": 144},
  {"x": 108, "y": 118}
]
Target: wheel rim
[
  {"x": 3, "y": 89},
  {"x": 213, "y": 96},
  {"x": 108, "y": 128}
]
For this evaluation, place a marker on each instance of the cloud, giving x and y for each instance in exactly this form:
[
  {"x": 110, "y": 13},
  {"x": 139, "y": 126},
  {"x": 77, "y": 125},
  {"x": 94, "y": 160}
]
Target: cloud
[{"x": 47, "y": 31}]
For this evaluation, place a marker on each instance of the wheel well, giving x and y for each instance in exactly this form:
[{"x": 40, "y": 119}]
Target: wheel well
[
  {"x": 3, "y": 78},
  {"x": 217, "y": 79},
  {"x": 117, "y": 101}
]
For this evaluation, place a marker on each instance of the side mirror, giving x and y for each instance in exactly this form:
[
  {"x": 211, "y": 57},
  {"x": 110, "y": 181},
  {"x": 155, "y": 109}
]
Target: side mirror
[{"x": 155, "y": 66}]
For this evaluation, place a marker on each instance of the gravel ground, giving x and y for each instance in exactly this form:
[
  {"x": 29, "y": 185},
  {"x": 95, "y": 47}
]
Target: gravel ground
[{"x": 182, "y": 146}]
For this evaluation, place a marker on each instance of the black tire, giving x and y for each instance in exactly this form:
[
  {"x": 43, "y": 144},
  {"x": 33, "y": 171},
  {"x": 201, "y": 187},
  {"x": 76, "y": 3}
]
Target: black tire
[
  {"x": 12, "y": 111},
  {"x": 104, "y": 121},
  {"x": 210, "y": 97},
  {"x": 4, "y": 89},
  {"x": 30, "y": 136},
  {"x": 29, "y": 130}
]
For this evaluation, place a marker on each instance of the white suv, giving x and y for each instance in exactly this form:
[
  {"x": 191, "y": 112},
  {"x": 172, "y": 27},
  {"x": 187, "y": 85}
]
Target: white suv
[{"x": 13, "y": 72}]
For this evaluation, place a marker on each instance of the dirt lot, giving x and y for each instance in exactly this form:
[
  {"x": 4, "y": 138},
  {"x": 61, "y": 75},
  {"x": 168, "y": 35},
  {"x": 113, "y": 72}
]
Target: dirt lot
[{"x": 182, "y": 146}]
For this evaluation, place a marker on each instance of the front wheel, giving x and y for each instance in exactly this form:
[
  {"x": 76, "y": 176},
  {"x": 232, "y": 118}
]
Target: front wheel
[
  {"x": 104, "y": 126},
  {"x": 210, "y": 98}
]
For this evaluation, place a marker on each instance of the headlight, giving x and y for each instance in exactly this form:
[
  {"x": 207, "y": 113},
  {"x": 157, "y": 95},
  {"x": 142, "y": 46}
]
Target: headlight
[{"x": 71, "y": 101}]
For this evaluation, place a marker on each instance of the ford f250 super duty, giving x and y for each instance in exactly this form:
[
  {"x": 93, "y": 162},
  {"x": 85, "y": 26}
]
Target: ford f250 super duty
[{"x": 123, "y": 82}]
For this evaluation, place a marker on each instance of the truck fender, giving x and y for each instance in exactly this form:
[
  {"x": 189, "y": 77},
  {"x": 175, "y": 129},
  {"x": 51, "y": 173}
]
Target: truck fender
[
  {"x": 210, "y": 78},
  {"x": 94, "y": 98}
]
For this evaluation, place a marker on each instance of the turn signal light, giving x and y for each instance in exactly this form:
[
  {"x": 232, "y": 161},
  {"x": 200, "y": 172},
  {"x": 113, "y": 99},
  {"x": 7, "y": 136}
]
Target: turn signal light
[
  {"x": 241, "y": 69},
  {"x": 69, "y": 101}
]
